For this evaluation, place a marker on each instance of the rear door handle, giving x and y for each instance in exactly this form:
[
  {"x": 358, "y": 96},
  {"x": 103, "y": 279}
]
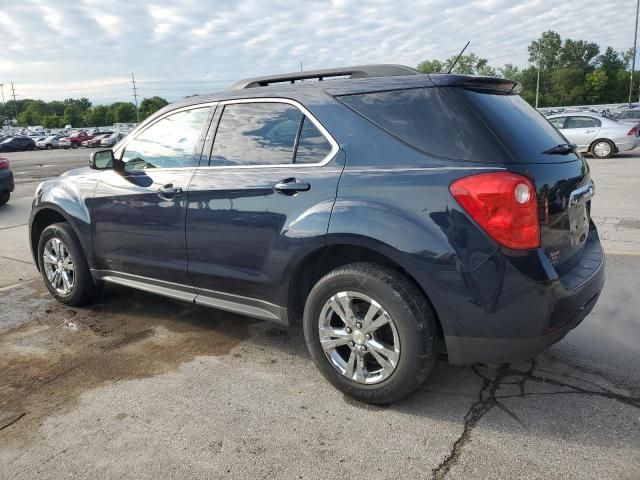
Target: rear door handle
[
  {"x": 169, "y": 191},
  {"x": 291, "y": 186}
]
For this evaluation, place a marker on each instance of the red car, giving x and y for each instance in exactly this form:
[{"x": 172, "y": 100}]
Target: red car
[{"x": 75, "y": 139}]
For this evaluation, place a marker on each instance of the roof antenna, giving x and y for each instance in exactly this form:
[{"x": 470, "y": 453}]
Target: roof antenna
[{"x": 458, "y": 57}]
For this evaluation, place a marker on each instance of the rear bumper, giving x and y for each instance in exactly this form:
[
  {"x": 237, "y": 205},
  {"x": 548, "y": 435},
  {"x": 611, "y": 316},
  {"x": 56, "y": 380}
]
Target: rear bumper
[
  {"x": 507, "y": 310},
  {"x": 6, "y": 181},
  {"x": 625, "y": 146}
]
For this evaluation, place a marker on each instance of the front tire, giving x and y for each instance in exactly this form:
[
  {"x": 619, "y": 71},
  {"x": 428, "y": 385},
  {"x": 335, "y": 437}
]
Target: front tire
[
  {"x": 603, "y": 148},
  {"x": 64, "y": 267},
  {"x": 371, "y": 332},
  {"x": 4, "y": 197},
  {"x": 75, "y": 145}
]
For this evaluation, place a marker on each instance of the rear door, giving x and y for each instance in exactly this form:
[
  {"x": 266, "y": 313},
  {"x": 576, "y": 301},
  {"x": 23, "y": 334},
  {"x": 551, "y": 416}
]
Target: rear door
[
  {"x": 581, "y": 130},
  {"x": 139, "y": 213},
  {"x": 264, "y": 199}
]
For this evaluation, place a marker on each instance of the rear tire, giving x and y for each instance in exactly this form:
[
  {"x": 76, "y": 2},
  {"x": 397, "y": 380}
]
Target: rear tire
[
  {"x": 602, "y": 148},
  {"x": 4, "y": 197},
  {"x": 73, "y": 284},
  {"x": 74, "y": 145},
  {"x": 375, "y": 365}
]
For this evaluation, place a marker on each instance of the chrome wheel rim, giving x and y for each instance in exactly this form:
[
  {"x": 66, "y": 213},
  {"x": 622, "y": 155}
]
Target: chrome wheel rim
[
  {"x": 602, "y": 149},
  {"x": 359, "y": 338},
  {"x": 58, "y": 266}
]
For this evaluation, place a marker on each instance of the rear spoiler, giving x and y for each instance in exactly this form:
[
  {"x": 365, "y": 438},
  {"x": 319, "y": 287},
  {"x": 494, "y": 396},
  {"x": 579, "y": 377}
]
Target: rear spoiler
[{"x": 500, "y": 86}]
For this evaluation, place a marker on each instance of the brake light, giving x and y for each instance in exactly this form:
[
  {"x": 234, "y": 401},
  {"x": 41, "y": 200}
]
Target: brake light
[
  {"x": 4, "y": 163},
  {"x": 503, "y": 204},
  {"x": 633, "y": 131}
]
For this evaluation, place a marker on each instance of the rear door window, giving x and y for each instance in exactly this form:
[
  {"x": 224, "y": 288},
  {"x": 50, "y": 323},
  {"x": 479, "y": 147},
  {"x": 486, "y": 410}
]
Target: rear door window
[
  {"x": 582, "y": 122},
  {"x": 261, "y": 133},
  {"x": 427, "y": 119}
]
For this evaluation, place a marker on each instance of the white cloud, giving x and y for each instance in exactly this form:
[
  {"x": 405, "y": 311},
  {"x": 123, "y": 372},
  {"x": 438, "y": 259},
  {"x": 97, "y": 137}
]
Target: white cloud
[{"x": 54, "y": 50}]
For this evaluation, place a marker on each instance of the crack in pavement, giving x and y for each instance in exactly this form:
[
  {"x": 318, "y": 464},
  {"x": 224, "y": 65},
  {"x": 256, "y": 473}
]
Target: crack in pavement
[{"x": 487, "y": 400}]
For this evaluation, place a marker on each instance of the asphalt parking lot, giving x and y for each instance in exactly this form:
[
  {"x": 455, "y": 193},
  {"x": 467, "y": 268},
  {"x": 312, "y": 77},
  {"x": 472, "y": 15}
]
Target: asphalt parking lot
[{"x": 139, "y": 386}]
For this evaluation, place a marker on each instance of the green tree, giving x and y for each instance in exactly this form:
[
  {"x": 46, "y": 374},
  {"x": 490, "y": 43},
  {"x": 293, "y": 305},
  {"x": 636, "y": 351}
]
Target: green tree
[
  {"x": 151, "y": 105},
  {"x": 594, "y": 84},
  {"x": 72, "y": 116},
  {"x": 510, "y": 72},
  {"x": 123, "y": 112},
  {"x": 431, "y": 66}
]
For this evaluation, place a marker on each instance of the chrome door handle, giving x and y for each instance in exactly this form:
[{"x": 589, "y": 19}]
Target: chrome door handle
[
  {"x": 169, "y": 191},
  {"x": 291, "y": 186}
]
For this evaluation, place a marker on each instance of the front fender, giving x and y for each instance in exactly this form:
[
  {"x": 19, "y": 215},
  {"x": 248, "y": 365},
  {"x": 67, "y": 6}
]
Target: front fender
[{"x": 69, "y": 200}]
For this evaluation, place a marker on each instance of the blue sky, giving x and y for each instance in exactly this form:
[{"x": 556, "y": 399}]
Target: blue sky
[{"x": 59, "y": 49}]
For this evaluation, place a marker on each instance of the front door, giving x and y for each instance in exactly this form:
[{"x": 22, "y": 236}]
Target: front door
[
  {"x": 139, "y": 213},
  {"x": 264, "y": 199}
]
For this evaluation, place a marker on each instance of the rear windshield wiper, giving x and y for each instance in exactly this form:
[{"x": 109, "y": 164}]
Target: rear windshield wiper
[{"x": 561, "y": 149}]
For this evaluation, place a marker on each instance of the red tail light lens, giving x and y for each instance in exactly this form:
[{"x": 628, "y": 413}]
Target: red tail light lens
[
  {"x": 633, "y": 131},
  {"x": 503, "y": 204},
  {"x": 4, "y": 163}
]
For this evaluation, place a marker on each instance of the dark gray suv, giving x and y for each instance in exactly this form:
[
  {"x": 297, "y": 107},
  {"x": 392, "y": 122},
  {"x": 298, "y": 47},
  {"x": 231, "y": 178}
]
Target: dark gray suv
[{"x": 397, "y": 214}]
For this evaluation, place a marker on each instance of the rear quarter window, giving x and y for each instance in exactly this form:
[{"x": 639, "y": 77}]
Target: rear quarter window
[{"x": 428, "y": 120}]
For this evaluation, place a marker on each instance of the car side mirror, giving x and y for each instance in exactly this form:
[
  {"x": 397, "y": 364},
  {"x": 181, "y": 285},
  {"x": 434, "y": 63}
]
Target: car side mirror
[{"x": 101, "y": 160}]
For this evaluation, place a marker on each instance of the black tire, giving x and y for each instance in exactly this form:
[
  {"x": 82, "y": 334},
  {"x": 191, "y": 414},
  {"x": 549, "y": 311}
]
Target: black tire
[
  {"x": 4, "y": 197},
  {"x": 74, "y": 145},
  {"x": 84, "y": 289},
  {"x": 48, "y": 147},
  {"x": 593, "y": 149},
  {"x": 411, "y": 314}
]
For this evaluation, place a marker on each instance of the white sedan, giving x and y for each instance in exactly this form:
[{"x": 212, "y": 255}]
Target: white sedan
[{"x": 595, "y": 134}]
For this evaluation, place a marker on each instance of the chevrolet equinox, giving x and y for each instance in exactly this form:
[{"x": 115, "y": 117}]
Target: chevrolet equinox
[{"x": 398, "y": 214}]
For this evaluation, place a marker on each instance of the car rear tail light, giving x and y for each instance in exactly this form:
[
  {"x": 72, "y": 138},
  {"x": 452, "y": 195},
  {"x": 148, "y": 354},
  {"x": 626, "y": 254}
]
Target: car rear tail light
[
  {"x": 4, "y": 163},
  {"x": 633, "y": 131},
  {"x": 503, "y": 204}
]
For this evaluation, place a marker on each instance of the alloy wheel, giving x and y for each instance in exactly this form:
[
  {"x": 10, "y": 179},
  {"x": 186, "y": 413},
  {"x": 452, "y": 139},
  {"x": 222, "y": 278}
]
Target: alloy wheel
[
  {"x": 359, "y": 337},
  {"x": 58, "y": 266},
  {"x": 602, "y": 149}
]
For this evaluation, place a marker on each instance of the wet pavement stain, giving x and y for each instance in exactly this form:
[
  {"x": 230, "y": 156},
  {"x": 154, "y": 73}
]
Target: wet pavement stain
[{"x": 47, "y": 362}]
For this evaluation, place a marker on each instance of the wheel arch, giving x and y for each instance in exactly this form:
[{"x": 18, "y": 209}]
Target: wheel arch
[
  {"x": 319, "y": 262},
  {"x": 601, "y": 139},
  {"x": 41, "y": 219}
]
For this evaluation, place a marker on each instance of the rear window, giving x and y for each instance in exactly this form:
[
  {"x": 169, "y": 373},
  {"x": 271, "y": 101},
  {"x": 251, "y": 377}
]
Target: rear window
[
  {"x": 524, "y": 131},
  {"x": 427, "y": 119}
]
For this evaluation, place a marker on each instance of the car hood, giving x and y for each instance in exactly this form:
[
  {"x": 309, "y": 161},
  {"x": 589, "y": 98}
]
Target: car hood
[{"x": 77, "y": 171}]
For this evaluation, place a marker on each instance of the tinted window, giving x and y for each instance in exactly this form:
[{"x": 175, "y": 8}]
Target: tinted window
[
  {"x": 524, "y": 132},
  {"x": 167, "y": 143},
  {"x": 634, "y": 114},
  {"x": 256, "y": 134},
  {"x": 427, "y": 119},
  {"x": 313, "y": 147},
  {"x": 582, "y": 122},
  {"x": 557, "y": 122}
]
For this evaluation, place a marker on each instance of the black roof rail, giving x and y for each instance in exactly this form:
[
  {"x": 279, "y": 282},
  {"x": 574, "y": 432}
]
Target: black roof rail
[{"x": 359, "y": 71}]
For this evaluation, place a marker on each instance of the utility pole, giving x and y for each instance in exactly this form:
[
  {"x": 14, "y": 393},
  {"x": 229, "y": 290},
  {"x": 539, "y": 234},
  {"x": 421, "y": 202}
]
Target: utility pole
[
  {"x": 301, "y": 65},
  {"x": 15, "y": 105},
  {"x": 538, "y": 80},
  {"x": 2, "y": 114},
  {"x": 633, "y": 61},
  {"x": 135, "y": 96}
]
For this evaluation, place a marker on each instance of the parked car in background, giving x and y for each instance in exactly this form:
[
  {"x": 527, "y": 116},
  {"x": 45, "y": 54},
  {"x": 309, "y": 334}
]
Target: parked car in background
[
  {"x": 75, "y": 139},
  {"x": 600, "y": 136},
  {"x": 112, "y": 139},
  {"x": 17, "y": 144},
  {"x": 629, "y": 116},
  {"x": 95, "y": 141},
  {"x": 356, "y": 205},
  {"x": 52, "y": 141},
  {"x": 6, "y": 180}
]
